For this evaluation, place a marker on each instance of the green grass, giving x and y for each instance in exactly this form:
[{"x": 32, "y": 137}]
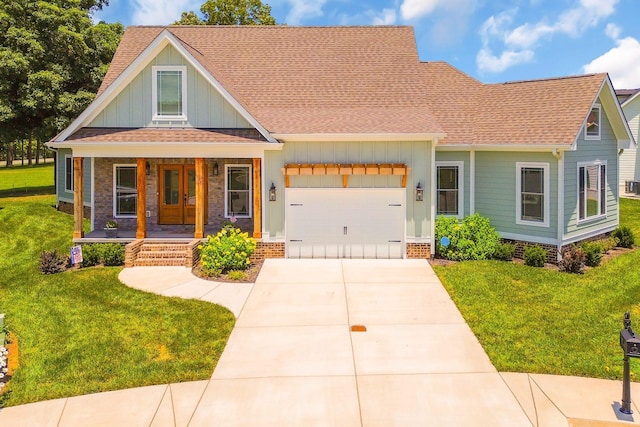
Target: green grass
[
  {"x": 83, "y": 331},
  {"x": 26, "y": 180},
  {"x": 543, "y": 321}
]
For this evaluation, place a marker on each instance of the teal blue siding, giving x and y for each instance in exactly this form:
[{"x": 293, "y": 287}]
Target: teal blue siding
[
  {"x": 605, "y": 149},
  {"x": 417, "y": 156},
  {"x": 459, "y": 156},
  {"x": 496, "y": 195},
  {"x": 62, "y": 194},
  {"x": 206, "y": 108}
]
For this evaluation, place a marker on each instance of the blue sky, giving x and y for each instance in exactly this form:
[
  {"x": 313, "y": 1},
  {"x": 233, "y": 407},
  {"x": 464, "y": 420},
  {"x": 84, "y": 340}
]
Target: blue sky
[{"x": 493, "y": 41}]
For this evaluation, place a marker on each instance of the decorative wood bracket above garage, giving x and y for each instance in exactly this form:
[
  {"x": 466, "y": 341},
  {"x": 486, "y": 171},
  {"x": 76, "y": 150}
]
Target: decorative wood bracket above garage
[{"x": 346, "y": 169}]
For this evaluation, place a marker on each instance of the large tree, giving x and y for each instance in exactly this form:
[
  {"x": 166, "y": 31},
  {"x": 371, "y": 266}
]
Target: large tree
[
  {"x": 230, "y": 12},
  {"x": 52, "y": 60}
]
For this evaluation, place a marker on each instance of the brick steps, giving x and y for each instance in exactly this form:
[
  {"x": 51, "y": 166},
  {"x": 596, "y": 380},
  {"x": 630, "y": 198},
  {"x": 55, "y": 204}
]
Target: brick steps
[{"x": 159, "y": 254}]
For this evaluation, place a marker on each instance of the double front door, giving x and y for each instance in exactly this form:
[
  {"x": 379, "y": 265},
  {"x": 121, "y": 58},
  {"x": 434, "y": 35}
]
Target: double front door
[{"x": 177, "y": 194}]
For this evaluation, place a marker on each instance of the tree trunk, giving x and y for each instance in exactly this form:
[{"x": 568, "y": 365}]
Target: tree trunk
[
  {"x": 38, "y": 152},
  {"x": 10, "y": 154},
  {"x": 22, "y": 151},
  {"x": 30, "y": 151}
]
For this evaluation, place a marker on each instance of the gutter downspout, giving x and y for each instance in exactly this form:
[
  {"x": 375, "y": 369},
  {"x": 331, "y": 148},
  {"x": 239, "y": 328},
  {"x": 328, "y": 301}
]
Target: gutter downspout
[
  {"x": 433, "y": 198},
  {"x": 560, "y": 221}
]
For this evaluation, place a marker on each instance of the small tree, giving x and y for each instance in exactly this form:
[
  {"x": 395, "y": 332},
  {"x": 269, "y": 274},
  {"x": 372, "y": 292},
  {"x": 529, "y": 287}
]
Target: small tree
[{"x": 230, "y": 12}]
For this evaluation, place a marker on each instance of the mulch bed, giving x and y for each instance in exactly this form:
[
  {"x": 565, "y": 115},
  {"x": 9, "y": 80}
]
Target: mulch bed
[{"x": 250, "y": 274}]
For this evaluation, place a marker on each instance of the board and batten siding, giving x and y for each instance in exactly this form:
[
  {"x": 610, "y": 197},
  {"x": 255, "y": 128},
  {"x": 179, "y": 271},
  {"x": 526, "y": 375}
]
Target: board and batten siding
[
  {"x": 416, "y": 155},
  {"x": 460, "y": 156},
  {"x": 629, "y": 160},
  {"x": 206, "y": 108},
  {"x": 605, "y": 149},
  {"x": 496, "y": 193},
  {"x": 63, "y": 194}
]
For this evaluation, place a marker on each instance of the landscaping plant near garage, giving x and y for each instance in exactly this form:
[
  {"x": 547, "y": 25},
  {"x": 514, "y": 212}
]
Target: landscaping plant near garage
[
  {"x": 229, "y": 251},
  {"x": 82, "y": 331},
  {"x": 472, "y": 238}
]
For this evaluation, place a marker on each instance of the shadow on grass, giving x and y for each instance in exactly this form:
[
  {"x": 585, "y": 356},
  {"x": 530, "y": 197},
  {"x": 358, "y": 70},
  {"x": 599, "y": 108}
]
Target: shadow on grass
[{"x": 28, "y": 191}]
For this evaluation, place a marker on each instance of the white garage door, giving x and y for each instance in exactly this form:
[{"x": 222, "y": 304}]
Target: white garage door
[{"x": 345, "y": 222}]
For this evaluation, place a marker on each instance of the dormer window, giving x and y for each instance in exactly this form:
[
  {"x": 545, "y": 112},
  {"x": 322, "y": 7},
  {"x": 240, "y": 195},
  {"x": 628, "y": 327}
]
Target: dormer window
[
  {"x": 169, "y": 92},
  {"x": 592, "y": 126}
]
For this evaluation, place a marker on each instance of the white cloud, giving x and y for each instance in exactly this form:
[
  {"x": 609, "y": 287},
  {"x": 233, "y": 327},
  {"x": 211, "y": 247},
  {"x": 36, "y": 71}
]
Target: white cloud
[
  {"x": 161, "y": 12},
  {"x": 613, "y": 31},
  {"x": 413, "y": 9},
  {"x": 518, "y": 43},
  {"x": 622, "y": 63},
  {"x": 304, "y": 9},
  {"x": 384, "y": 17}
]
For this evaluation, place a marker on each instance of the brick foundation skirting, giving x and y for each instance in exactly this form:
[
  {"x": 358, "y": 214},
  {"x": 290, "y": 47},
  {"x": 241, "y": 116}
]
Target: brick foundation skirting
[
  {"x": 418, "y": 250},
  {"x": 268, "y": 250},
  {"x": 131, "y": 251},
  {"x": 68, "y": 208},
  {"x": 551, "y": 250}
]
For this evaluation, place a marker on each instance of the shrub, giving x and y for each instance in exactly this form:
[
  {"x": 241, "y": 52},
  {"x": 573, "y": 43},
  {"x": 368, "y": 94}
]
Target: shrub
[
  {"x": 573, "y": 260},
  {"x": 504, "y": 251},
  {"x": 229, "y": 249},
  {"x": 534, "y": 255},
  {"x": 472, "y": 239},
  {"x": 112, "y": 254},
  {"x": 593, "y": 252},
  {"x": 236, "y": 275},
  {"x": 90, "y": 255},
  {"x": 52, "y": 262},
  {"x": 623, "y": 236}
]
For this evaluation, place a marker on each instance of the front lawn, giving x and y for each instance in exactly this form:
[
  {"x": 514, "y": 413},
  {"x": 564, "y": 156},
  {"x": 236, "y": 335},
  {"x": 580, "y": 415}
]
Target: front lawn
[
  {"x": 83, "y": 331},
  {"x": 26, "y": 180},
  {"x": 543, "y": 321}
]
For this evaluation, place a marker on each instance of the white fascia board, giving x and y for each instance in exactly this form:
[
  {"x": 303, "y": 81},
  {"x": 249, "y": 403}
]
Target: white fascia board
[
  {"x": 631, "y": 99},
  {"x": 132, "y": 71},
  {"x": 587, "y": 235},
  {"x": 170, "y": 150},
  {"x": 356, "y": 137},
  {"x": 536, "y": 148}
]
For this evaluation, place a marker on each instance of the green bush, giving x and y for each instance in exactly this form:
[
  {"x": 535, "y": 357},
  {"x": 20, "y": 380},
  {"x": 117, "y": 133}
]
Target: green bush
[
  {"x": 504, "y": 251},
  {"x": 112, "y": 254},
  {"x": 593, "y": 252},
  {"x": 230, "y": 249},
  {"x": 52, "y": 262},
  {"x": 573, "y": 260},
  {"x": 472, "y": 239},
  {"x": 534, "y": 255},
  {"x": 236, "y": 275},
  {"x": 90, "y": 255},
  {"x": 623, "y": 237}
]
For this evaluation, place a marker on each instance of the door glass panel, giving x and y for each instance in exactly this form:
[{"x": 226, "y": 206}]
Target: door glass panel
[
  {"x": 191, "y": 187},
  {"x": 171, "y": 187}
]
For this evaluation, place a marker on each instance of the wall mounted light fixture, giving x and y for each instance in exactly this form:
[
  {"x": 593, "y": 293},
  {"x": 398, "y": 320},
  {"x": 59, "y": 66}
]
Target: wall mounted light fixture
[
  {"x": 216, "y": 169},
  {"x": 147, "y": 168},
  {"x": 419, "y": 193},
  {"x": 272, "y": 193}
]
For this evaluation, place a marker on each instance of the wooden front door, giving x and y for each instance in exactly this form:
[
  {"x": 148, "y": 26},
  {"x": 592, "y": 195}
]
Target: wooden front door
[{"x": 178, "y": 194}]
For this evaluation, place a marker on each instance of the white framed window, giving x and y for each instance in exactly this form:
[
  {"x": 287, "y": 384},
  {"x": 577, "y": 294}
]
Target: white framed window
[
  {"x": 449, "y": 188},
  {"x": 592, "y": 190},
  {"x": 237, "y": 189},
  {"x": 169, "y": 92},
  {"x": 533, "y": 194},
  {"x": 68, "y": 173},
  {"x": 592, "y": 125},
  {"x": 125, "y": 191}
]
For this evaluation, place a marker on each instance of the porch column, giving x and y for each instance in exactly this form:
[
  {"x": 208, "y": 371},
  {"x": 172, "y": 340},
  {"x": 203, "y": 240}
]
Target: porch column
[
  {"x": 78, "y": 197},
  {"x": 201, "y": 197},
  {"x": 141, "y": 210},
  {"x": 257, "y": 199}
]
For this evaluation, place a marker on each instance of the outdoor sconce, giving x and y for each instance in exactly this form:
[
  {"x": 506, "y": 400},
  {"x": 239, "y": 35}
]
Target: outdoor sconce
[
  {"x": 272, "y": 193},
  {"x": 216, "y": 170},
  {"x": 419, "y": 193},
  {"x": 147, "y": 168}
]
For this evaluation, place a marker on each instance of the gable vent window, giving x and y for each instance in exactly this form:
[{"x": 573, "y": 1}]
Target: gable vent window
[
  {"x": 592, "y": 126},
  {"x": 169, "y": 92}
]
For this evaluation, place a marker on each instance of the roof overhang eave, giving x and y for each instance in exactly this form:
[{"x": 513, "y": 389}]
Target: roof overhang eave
[
  {"x": 354, "y": 137},
  {"x": 540, "y": 148}
]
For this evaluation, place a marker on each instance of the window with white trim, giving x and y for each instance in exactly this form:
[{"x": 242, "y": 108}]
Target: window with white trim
[
  {"x": 592, "y": 125},
  {"x": 169, "y": 93},
  {"x": 592, "y": 190},
  {"x": 449, "y": 188},
  {"x": 68, "y": 173},
  {"x": 125, "y": 195},
  {"x": 237, "y": 191},
  {"x": 532, "y": 190}
]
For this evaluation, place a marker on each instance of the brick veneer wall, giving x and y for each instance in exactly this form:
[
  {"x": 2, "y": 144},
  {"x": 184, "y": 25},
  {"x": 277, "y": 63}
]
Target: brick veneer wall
[
  {"x": 131, "y": 251},
  {"x": 67, "y": 207},
  {"x": 268, "y": 250},
  {"x": 418, "y": 250},
  {"x": 193, "y": 253},
  {"x": 551, "y": 250}
]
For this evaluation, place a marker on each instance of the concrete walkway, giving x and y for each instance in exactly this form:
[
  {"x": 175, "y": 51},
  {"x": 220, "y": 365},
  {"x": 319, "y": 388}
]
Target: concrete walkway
[{"x": 294, "y": 360}]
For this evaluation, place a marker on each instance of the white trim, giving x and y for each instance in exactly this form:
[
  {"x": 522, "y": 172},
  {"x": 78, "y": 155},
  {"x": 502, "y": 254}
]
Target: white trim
[
  {"x": 413, "y": 239},
  {"x": 70, "y": 157},
  {"x": 597, "y": 137},
  {"x": 135, "y": 68},
  {"x": 249, "y": 190},
  {"x": 154, "y": 92},
  {"x": 472, "y": 182},
  {"x": 587, "y": 219},
  {"x": 460, "y": 166},
  {"x": 93, "y": 193},
  {"x": 434, "y": 176},
  {"x": 521, "y": 148},
  {"x": 546, "y": 196},
  {"x": 527, "y": 238},
  {"x": 561, "y": 191},
  {"x": 114, "y": 188},
  {"x": 354, "y": 137},
  {"x": 588, "y": 234}
]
